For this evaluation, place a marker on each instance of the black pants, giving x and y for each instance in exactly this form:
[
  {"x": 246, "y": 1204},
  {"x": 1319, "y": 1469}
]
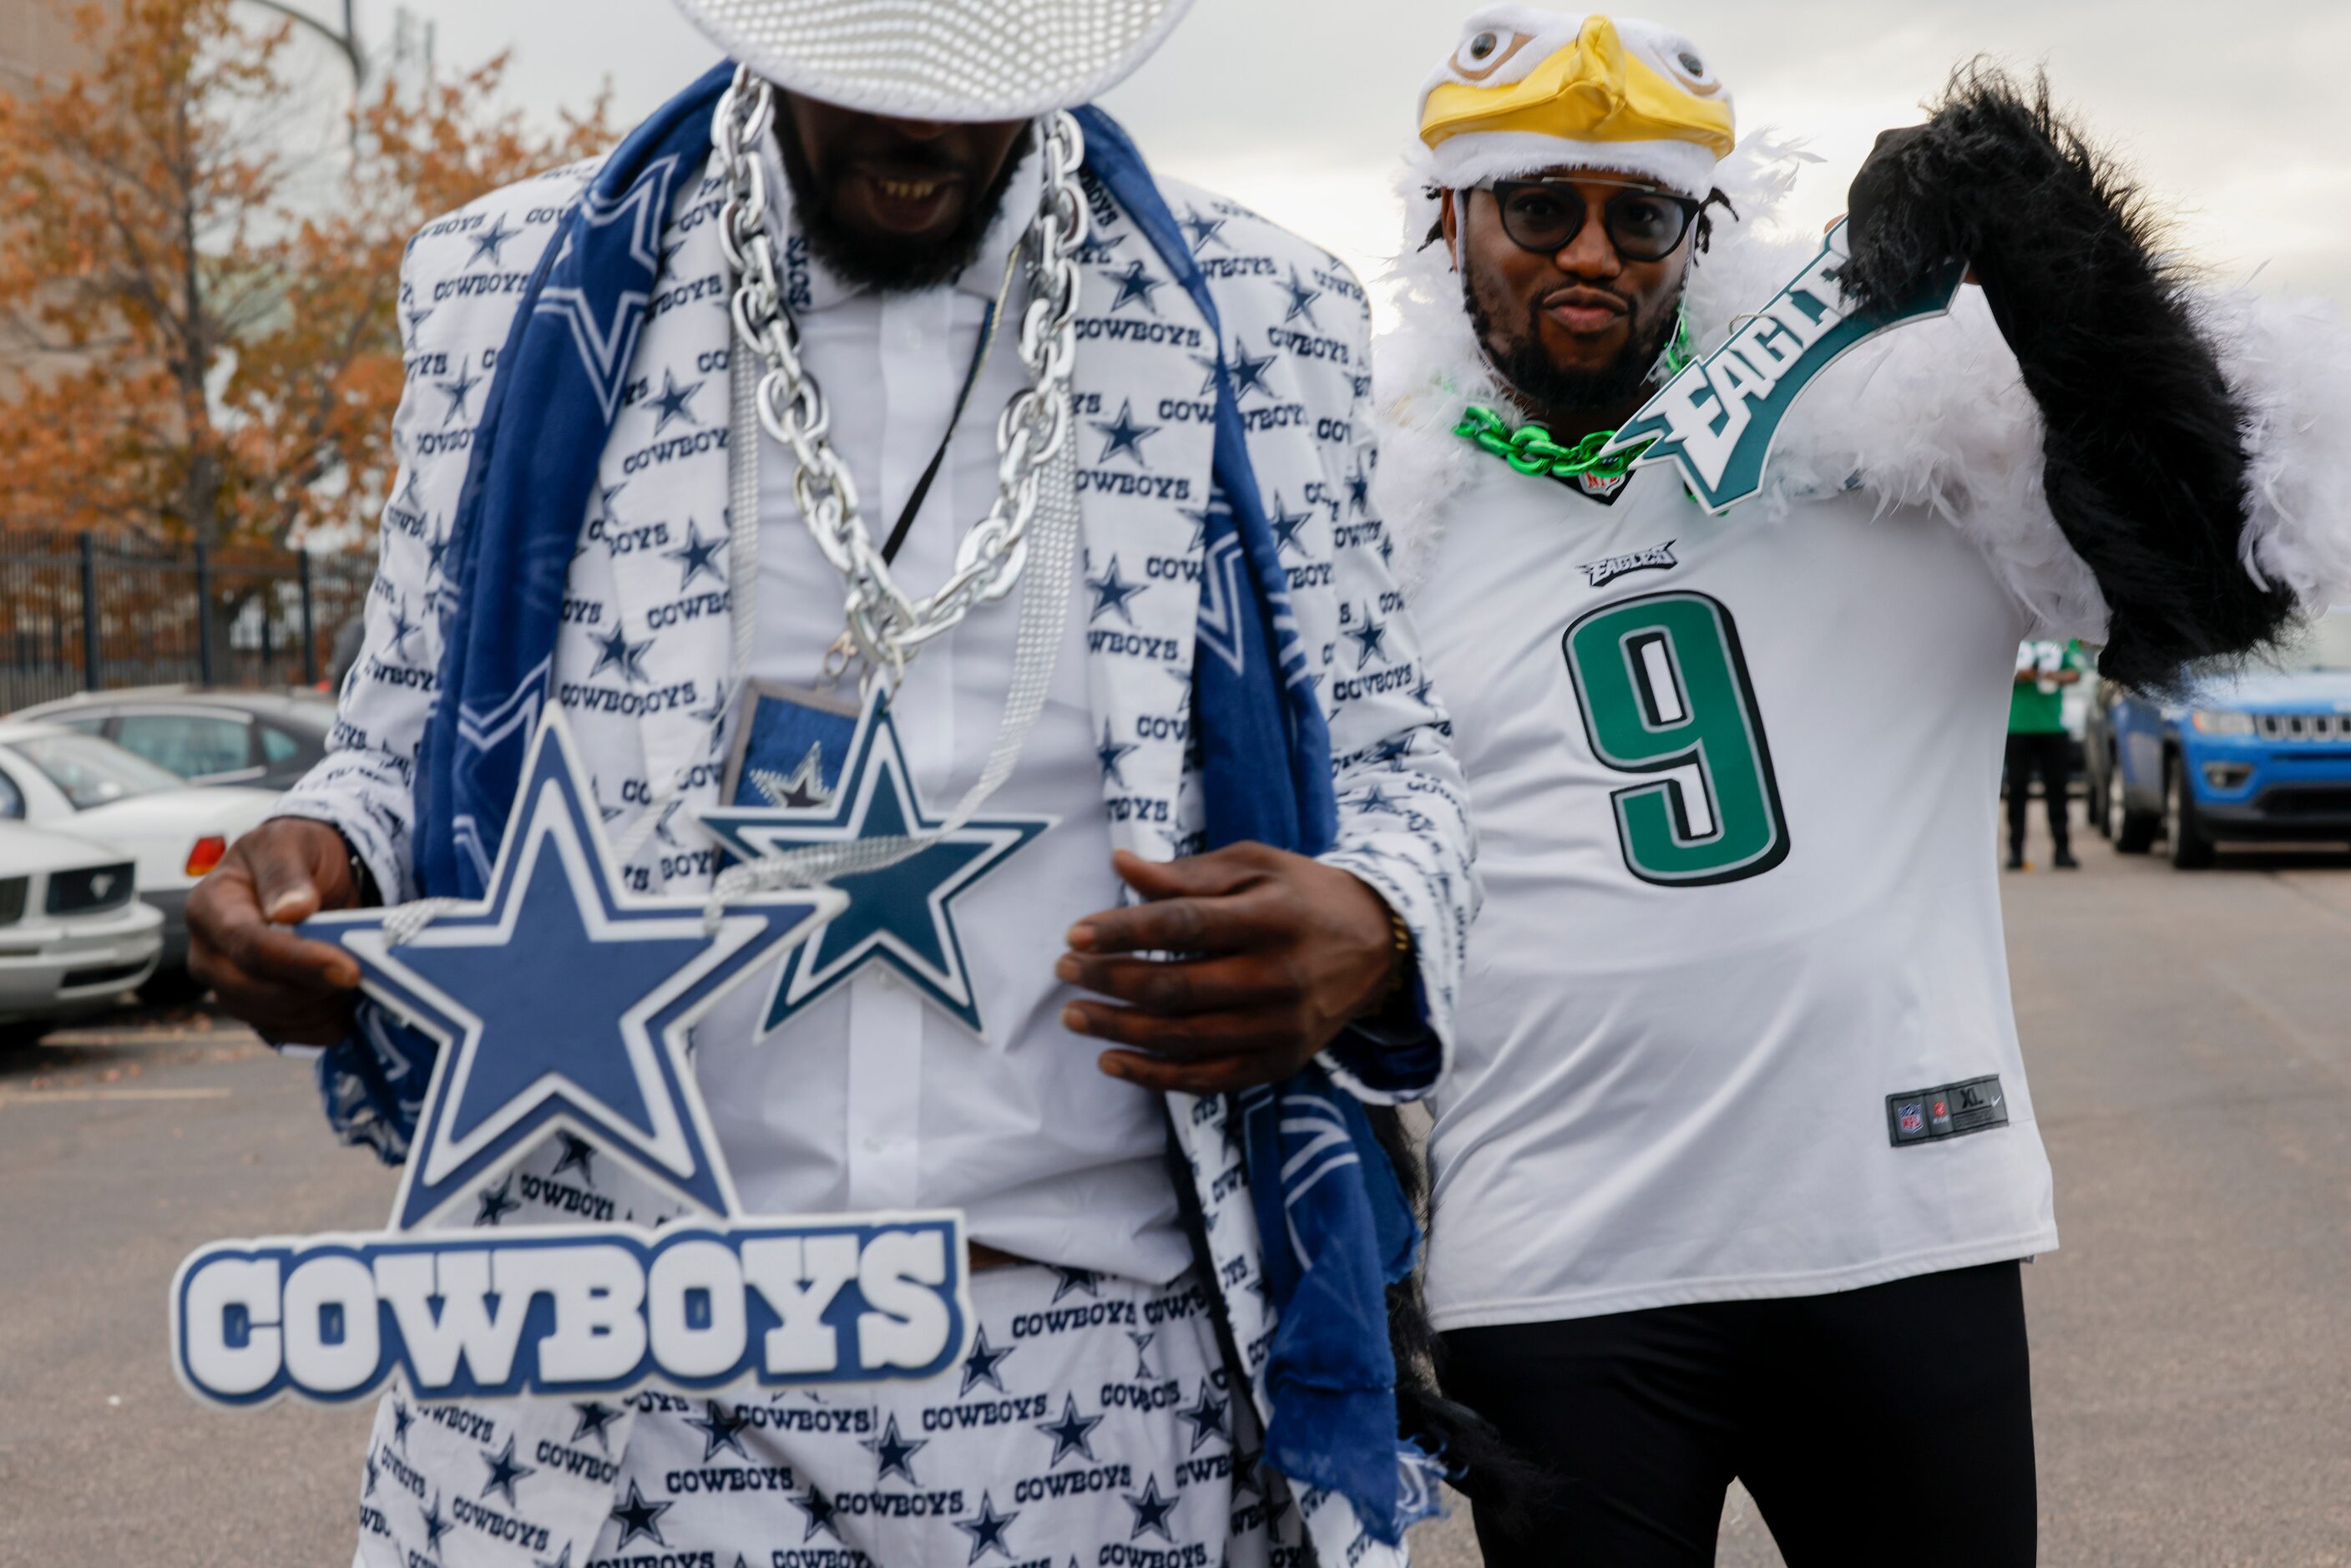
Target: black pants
[
  {"x": 1879, "y": 1425},
  {"x": 2051, "y": 755}
]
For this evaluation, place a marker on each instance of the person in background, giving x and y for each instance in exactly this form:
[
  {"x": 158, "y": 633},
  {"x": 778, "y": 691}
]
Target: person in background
[{"x": 2037, "y": 742}]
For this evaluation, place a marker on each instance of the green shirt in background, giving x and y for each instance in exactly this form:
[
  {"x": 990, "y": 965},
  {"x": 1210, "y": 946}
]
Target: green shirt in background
[{"x": 2038, "y": 707}]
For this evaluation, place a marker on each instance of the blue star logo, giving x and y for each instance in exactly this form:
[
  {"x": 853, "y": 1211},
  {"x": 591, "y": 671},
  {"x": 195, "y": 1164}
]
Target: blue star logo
[
  {"x": 437, "y": 1525},
  {"x": 1370, "y": 637},
  {"x": 1112, "y": 593},
  {"x": 893, "y": 1454},
  {"x": 1073, "y": 1434},
  {"x": 1198, "y": 517},
  {"x": 490, "y": 245},
  {"x": 1134, "y": 287},
  {"x": 1112, "y": 753},
  {"x": 1249, "y": 374},
  {"x": 1359, "y": 490},
  {"x": 594, "y": 1418},
  {"x": 819, "y": 1510},
  {"x": 1206, "y": 1417},
  {"x": 696, "y": 556},
  {"x": 403, "y": 629},
  {"x": 986, "y": 1531},
  {"x": 1244, "y": 1468},
  {"x": 505, "y": 1471},
  {"x": 720, "y": 1430},
  {"x": 675, "y": 403},
  {"x": 496, "y": 1203},
  {"x": 902, "y": 915},
  {"x": 561, "y": 1003},
  {"x": 1248, "y": 371},
  {"x": 981, "y": 1365},
  {"x": 1301, "y": 301},
  {"x": 1202, "y": 231},
  {"x": 1286, "y": 525},
  {"x": 459, "y": 392},
  {"x": 579, "y": 1155},
  {"x": 637, "y": 1517},
  {"x": 1151, "y": 1511},
  {"x": 1085, "y": 1280},
  {"x": 1123, "y": 435},
  {"x": 616, "y": 652}
]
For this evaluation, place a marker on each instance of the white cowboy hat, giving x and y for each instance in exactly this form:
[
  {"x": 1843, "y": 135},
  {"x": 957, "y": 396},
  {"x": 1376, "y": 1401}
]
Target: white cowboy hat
[{"x": 941, "y": 59}]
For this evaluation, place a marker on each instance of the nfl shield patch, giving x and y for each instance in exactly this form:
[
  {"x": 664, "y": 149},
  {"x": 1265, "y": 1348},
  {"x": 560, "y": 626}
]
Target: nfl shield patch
[{"x": 1911, "y": 1119}]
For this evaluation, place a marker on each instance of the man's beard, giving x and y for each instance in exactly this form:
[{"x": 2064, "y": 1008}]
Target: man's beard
[
  {"x": 891, "y": 265},
  {"x": 1544, "y": 385}
]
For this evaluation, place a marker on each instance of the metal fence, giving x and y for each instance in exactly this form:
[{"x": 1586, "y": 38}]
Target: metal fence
[{"x": 85, "y": 612}]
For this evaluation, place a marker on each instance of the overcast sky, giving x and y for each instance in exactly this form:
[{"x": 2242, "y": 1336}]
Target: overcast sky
[{"x": 2233, "y": 114}]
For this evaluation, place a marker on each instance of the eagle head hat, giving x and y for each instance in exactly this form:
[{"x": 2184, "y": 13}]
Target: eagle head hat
[{"x": 1528, "y": 90}]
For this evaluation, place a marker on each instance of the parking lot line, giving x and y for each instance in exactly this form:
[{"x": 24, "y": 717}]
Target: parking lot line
[{"x": 53, "y": 1096}]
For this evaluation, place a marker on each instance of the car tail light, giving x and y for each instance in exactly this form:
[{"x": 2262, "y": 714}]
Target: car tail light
[{"x": 206, "y": 854}]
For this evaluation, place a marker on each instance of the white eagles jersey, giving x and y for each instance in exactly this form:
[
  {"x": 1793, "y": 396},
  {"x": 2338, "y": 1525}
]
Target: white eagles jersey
[{"x": 1736, "y": 1018}]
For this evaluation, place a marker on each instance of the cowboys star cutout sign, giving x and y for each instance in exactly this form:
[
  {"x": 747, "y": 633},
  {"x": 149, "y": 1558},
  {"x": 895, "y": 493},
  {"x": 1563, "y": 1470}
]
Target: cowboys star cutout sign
[{"x": 562, "y": 1007}]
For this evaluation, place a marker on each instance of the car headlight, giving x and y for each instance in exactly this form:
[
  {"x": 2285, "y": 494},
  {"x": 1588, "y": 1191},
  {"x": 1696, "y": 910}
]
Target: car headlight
[{"x": 2218, "y": 721}]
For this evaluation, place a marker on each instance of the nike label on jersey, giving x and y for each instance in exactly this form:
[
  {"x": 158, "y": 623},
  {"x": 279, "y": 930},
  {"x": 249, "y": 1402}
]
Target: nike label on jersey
[
  {"x": 1600, "y": 573},
  {"x": 1924, "y": 1116}
]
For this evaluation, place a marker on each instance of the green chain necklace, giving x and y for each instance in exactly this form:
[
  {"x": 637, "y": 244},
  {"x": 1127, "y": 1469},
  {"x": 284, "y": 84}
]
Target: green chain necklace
[{"x": 1530, "y": 448}]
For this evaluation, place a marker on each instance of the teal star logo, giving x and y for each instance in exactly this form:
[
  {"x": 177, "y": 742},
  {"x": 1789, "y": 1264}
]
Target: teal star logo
[{"x": 902, "y": 915}]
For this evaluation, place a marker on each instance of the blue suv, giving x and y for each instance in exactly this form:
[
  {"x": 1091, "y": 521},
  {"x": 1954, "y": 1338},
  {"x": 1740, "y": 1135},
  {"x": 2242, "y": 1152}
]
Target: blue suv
[{"x": 2263, "y": 752}]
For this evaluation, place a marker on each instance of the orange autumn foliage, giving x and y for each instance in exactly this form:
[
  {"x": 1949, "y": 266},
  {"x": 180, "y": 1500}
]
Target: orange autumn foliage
[{"x": 198, "y": 327}]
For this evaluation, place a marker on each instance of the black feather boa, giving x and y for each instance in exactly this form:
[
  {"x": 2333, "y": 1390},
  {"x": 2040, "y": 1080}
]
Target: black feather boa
[
  {"x": 2144, "y": 449},
  {"x": 1503, "y": 1482}
]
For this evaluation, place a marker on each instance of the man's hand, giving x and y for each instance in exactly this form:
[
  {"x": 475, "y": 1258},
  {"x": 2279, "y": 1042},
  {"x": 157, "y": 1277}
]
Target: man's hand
[
  {"x": 279, "y": 874},
  {"x": 1277, "y": 953}
]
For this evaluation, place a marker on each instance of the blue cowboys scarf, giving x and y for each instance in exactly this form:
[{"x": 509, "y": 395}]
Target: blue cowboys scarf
[{"x": 1333, "y": 1223}]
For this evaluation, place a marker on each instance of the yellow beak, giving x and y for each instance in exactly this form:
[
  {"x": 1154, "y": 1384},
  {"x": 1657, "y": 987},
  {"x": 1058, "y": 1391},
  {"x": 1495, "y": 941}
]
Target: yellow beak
[{"x": 1593, "y": 90}]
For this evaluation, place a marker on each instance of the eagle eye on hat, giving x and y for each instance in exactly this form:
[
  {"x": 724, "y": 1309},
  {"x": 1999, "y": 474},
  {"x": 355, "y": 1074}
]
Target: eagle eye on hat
[
  {"x": 941, "y": 59},
  {"x": 1528, "y": 90}
]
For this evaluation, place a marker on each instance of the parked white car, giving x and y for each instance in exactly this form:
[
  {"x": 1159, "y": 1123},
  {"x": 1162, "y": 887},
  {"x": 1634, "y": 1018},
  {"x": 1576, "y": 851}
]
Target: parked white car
[
  {"x": 72, "y": 936},
  {"x": 93, "y": 789}
]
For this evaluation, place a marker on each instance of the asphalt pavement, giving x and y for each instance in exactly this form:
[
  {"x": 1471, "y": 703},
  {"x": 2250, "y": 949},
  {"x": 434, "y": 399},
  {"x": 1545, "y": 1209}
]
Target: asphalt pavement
[{"x": 2189, "y": 1037}]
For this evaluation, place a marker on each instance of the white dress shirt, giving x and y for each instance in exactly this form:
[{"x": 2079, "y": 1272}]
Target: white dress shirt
[{"x": 870, "y": 1098}]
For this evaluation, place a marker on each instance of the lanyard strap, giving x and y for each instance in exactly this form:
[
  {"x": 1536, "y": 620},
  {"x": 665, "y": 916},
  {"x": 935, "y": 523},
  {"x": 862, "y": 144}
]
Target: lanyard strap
[{"x": 963, "y": 401}]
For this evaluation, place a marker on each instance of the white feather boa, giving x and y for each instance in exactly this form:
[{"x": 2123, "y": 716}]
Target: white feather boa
[{"x": 1930, "y": 416}]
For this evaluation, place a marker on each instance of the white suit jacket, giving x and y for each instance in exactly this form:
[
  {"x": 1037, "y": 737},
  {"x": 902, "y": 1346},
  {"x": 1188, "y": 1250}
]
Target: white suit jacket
[{"x": 1296, "y": 328}]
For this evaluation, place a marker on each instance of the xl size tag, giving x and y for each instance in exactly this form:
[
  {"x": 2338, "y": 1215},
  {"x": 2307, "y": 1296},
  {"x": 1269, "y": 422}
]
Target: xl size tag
[
  {"x": 1718, "y": 417},
  {"x": 1926, "y": 1115}
]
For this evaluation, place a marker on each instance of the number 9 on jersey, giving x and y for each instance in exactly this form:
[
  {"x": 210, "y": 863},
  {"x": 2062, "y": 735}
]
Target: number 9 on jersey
[{"x": 1664, "y": 696}]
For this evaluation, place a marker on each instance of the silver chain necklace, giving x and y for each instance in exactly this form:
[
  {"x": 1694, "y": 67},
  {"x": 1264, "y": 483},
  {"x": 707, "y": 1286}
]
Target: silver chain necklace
[{"x": 887, "y": 625}]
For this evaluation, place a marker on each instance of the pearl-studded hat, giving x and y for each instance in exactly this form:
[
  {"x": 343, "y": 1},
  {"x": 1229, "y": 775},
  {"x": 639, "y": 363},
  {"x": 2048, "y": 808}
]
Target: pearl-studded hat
[{"x": 941, "y": 59}]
